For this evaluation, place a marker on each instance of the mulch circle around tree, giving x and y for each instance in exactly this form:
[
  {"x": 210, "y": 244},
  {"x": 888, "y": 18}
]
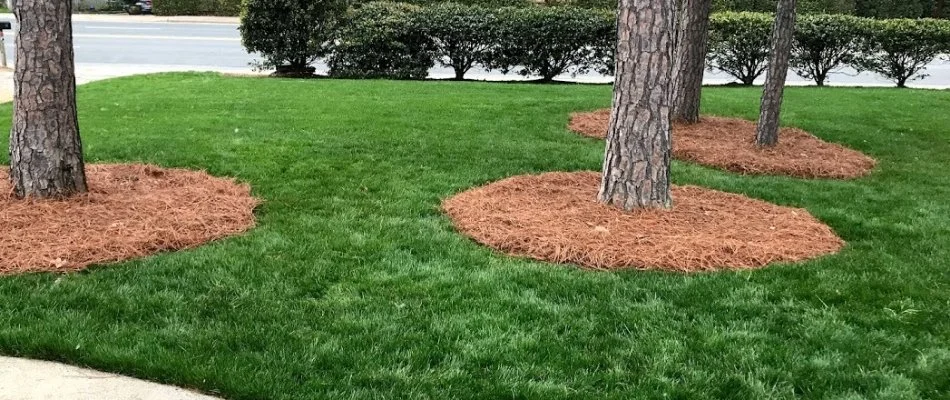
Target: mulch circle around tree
[
  {"x": 555, "y": 217},
  {"x": 729, "y": 144},
  {"x": 131, "y": 211}
]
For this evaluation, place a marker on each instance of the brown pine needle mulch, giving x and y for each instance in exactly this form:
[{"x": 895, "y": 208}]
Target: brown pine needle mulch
[
  {"x": 555, "y": 217},
  {"x": 131, "y": 211},
  {"x": 729, "y": 144}
]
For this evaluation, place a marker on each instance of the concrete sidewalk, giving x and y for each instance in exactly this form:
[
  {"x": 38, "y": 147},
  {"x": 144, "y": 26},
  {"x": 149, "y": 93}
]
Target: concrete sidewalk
[
  {"x": 86, "y": 73},
  {"x": 22, "y": 379}
]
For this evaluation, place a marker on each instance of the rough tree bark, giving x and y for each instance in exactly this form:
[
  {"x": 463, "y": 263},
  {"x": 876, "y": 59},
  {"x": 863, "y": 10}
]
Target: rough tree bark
[
  {"x": 45, "y": 150},
  {"x": 690, "y": 62},
  {"x": 636, "y": 170},
  {"x": 766, "y": 134}
]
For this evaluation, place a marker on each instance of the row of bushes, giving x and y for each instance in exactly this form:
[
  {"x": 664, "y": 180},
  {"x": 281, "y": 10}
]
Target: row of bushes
[
  {"x": 196, "y": 7},
  {"x": 897, "y": 49},
  {"x": 864, "y": 8},
  {"x": 403, "y": 41}
]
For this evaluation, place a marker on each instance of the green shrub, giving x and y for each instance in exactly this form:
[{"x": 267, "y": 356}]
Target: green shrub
[
  {"x": 596, "y": 4},
  {"x": 290, "y": 34},
  {"x": 861, "y": 8},
  {"x": 549, "y": 41},
  {"x": 382, "y": 40},
  {"x": 463, "y": 35},
  {"x": 893, "y": 8},
  {"x": 196, "y": 7},
  {"x": 900, "y": 49},
  {"x": 739, "y": 44},
  {"x": 481, "y": 3},
  {"x": 605, "y": 42},
  {"x": 825, "y": 43}
]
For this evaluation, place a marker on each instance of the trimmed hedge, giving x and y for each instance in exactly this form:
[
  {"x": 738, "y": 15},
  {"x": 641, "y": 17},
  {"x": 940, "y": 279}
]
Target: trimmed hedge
[
  {"x": 404, "y": 41},
  {"x": 824, "y": 44},
  {"x": 739, "y": 44},
  {"x": 290, "y": 34},
  {"x": 900, "y": 49},
  {"x": 196, "y": 7},
  {"x": 463, "y": 35},
  {"x": 383, "y": 40},
  {"x": 550, "y": 41}
]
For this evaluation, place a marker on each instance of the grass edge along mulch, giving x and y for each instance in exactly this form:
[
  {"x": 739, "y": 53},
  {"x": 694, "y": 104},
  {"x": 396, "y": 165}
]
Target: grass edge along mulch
[
  {"x": 728, "y": 144},
  {"x": 131, "y": 211},
  {"x": 555, "y": 217}
]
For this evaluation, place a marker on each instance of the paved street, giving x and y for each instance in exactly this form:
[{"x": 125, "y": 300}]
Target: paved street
[{"x": 109, "y": 46}]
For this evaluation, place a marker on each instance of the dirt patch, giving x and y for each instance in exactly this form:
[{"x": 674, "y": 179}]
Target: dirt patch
[
  {"x": 131, "y": 211},
  {"x": 729, "y": 144},
  {"x": 555, "y": 217}
]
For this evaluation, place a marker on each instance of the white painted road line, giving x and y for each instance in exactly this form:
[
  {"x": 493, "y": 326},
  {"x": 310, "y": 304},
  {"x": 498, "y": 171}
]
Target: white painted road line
[{"x": 151, "y": 37}]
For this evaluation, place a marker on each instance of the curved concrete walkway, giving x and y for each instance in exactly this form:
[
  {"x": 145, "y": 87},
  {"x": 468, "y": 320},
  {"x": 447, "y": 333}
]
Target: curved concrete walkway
[{"x": 22, "y": 379}]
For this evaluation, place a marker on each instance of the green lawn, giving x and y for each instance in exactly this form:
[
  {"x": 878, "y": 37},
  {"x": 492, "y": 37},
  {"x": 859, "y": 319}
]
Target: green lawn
[{"x": 355, "y": 286}]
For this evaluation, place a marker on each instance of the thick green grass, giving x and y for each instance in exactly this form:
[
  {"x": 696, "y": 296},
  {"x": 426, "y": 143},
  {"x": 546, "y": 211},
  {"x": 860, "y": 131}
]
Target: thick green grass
[{"x": 355, "y": 286}]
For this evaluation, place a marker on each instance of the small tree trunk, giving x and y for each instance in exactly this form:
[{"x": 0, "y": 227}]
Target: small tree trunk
[
  {"x": 636, "y": 170},
  {"x": 45, "y": 150},
  {"x": 782, "y": 34},
  {"x": 691, "y": 60}
]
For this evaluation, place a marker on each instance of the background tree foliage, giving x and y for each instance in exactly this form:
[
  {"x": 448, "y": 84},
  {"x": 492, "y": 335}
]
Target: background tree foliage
[
  {"x": 463, "y": 35},
  {"x": 290, "y": 33},
  {"x": 739, "y": 44},
  {"x": 825, "y": 43},
  {"x": 550, "y": 41},
  {"x": 900, "y": 49},
  {"x": 383, "y": 40}
]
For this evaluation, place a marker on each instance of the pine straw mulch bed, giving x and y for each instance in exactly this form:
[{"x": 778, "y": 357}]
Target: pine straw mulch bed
[
  {"x": 729, "y": 144},
  {"x": 555, "y": 217},
  {"x": 131, "y": 211}
]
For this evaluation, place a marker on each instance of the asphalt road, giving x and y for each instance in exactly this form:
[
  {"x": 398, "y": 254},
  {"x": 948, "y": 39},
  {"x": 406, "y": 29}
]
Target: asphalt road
[{"x": 125, "y": 45}]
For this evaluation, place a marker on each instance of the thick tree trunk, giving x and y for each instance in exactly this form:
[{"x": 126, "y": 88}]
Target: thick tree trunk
[
  {"x": 45, "y": 150},
  {"x": 690, "y": 60},
  {"x": 636, "y": 171},
  {"x": 782, "y": 34},
  {"x": 460, "y": 73}
]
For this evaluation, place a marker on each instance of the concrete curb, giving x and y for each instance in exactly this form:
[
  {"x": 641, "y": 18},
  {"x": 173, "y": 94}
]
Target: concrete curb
[{"x": 23, "y": 379}]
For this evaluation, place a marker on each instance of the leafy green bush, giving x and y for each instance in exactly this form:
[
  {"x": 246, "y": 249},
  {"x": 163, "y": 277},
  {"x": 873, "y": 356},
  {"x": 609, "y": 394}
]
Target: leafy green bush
[
  {"x": 196, "y": 7},
  {"x": 290, "y": 34},
  {"x": 893, "y": 8},
  {"x": 825, "y": 43},
  {"x": 550, "y": 41},
  {"x": 900, "y": 49},
  {"x": 861, "y": 8},
  {"x": 739, "y": 44},
  {"x": 382, "y": 40},
  {"x": 480, "y": 3},
  {"x": 463, "y": 35}
]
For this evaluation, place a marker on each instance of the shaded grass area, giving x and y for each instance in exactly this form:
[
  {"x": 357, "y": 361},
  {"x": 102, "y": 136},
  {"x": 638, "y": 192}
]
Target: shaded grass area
[{"x": 355, "y": 286}]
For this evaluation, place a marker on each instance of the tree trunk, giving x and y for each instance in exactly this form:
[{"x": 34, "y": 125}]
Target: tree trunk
[
  {"x": 690, "y": 60},
  {"x": 45, "y": 150},
  {"x": 636, "y": 170},
  {"x": 460, "y": 72},
  {"x": 782, "y": 34}
]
